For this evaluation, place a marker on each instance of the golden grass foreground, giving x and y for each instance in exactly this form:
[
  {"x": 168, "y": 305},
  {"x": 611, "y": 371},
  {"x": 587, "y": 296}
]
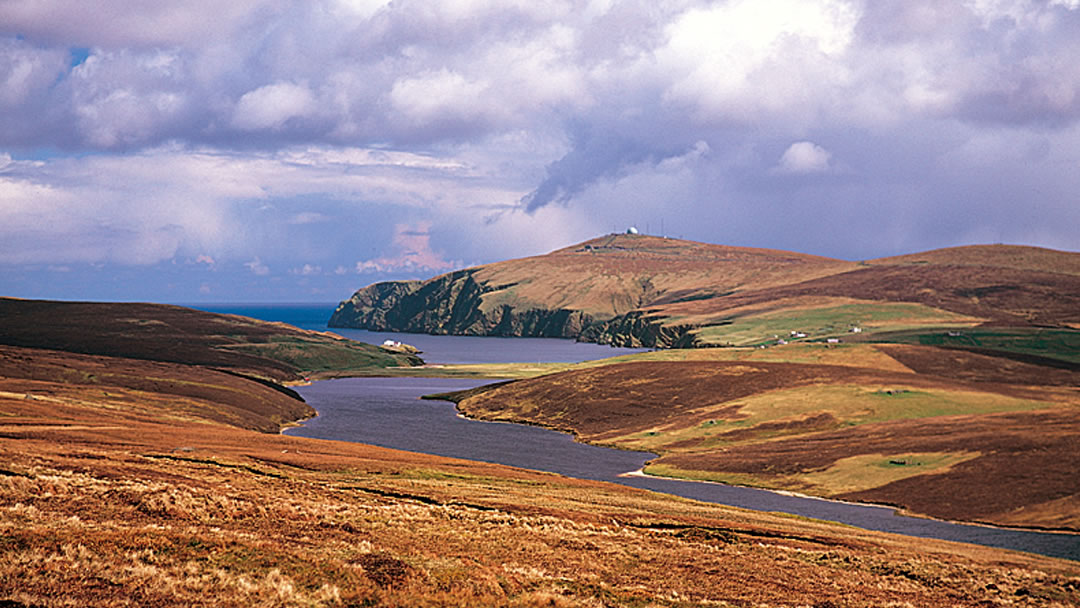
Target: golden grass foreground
[{"x": 115, "y": 495}]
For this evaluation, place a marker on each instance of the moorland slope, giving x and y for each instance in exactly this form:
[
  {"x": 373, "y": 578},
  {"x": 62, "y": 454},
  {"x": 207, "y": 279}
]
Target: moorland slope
[
  {"x": 173, "y": 334},
  {"x": 945, "y": 382},
  {"x": 637, "y": 290},
  {"x": 131, "y": 480},
  {"x": 204, "y": 365},
  {"x": 947, "y": 433}
]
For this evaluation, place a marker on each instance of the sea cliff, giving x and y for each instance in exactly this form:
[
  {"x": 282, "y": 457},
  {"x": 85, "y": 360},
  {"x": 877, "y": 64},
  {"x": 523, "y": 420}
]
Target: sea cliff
[{"x": 645, "y": 291}]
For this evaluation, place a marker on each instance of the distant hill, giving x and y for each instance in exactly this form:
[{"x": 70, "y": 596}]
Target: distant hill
[
  {"x": 637, "y": 290},
  {"x": 959, "y": 436},
  {"x": 173, "y": 334},
  {"x": 147, "y": 360}
]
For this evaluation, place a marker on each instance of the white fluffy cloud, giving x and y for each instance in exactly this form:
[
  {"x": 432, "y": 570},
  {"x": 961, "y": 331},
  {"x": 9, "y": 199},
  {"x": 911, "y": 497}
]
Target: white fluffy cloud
[
  {"x": 740, "y": 59},
  {"x": 804, "y": 157},
  {"x": 257, "y": 267},
  {"x": 270, "y": 106},
  {"x": 436, "y": 96}
]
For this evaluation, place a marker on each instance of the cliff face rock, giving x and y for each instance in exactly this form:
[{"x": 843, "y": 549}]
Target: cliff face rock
[
  {"x": 596, "y": 291},
  {"x": 451, "y": 304},
  {"x": 640, "y": 329},
  {"x": 443, "y": 305}
]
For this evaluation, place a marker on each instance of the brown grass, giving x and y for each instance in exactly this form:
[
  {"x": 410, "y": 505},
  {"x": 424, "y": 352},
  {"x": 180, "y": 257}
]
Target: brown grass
[
  {"x": 120, "y": 496},
  {"x": 1017, "y": 257},
  {"x": 615, "y": 274},
  {"x": 172, "y": 516},
  {"x": 783, "y": 424},
  {"x": 173, "y": 334}
]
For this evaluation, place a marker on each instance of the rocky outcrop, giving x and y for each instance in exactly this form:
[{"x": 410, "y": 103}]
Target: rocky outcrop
[
  {"x": 638, "y": 329},
  {"x": 451, "y": 304},
  {"x": 540, "y": 323},
  {"x": 445, "y": 305}
]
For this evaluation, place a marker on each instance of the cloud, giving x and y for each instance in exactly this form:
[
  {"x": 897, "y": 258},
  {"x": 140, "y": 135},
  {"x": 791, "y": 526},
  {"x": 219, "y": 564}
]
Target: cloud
[
  {"x": 307, "y": 270},
  {"x": 408, "y": 73},
  {"x": 271, "y": 106},
  {"x": 597, "y": 157},
  {"x": 257, "y": 267},
  {"x": 436, "y": 96},
  {"x": 150, "y": 206},
  {"x": 129, "y": 23},
  {"x": 26, "y": 72},
  {"x": 205, "y": 259},
  {"x": 412, "y": 252},
  {"x": 805, "y": 157},
  {"x": 303, "y": 132},
  {"x": 744, "y": 59},
  {"x": 308, "y": 217}
]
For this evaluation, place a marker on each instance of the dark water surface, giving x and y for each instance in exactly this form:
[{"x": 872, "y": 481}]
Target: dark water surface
[
  {"x": 388, "y": 412},
  {"x": 434, "y": 349}
]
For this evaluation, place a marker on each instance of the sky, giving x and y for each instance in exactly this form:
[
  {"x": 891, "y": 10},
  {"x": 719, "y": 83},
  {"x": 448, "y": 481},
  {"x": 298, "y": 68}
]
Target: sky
[{"x": 294, "y": 151}]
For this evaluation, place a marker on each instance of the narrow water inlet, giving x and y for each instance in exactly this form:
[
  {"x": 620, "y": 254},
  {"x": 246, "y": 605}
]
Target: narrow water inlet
[{"x": 388, "y": 412}]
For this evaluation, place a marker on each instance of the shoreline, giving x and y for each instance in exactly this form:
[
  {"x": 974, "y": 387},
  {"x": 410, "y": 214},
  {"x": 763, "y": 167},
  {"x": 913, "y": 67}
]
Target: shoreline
[
  {"x": 900, "y": 511},
  {"x": 897, "y": 511}
]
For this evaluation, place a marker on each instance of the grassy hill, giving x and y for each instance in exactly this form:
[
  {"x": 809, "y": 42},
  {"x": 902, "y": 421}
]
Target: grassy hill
[
  {"x": 173, "y": 334},
  {"x": 945, "y": 382},
  {"x": 130, "y": 482},
  {"x": 636, "y": 290},
  {"x": 564, "y": 293},
  {"x": 948, "y": 433},
  {"x": 139, "y": 360}
]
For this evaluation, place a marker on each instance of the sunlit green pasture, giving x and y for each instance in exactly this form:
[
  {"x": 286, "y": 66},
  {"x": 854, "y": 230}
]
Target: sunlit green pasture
[
  {"x": 827, "y": 322},
  {"x": 826, "y": 407},
  {"x": 866, "y": 471},
  {"x": 851, "y": 355},
  {"x": 1056, "y": 343},
  {"x": 852, "y": 474}
]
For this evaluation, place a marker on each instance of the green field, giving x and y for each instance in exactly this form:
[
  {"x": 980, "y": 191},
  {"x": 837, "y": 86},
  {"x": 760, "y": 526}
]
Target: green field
[
  {"x": 845, "y": 405},
  {"x": 826, "y": 322},
  {"x": 1054, "y": 343}
]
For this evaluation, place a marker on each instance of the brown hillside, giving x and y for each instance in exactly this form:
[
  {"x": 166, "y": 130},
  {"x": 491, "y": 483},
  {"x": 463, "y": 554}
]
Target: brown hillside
[
  {"x": 615, "y": 274},
  {"x": 174, "y": 334},
  {"x": 114, "y": 493},
  {"x": 58, "y": 385},
  {"x": 636, "y": 290},
  {"x": 833, "y": 430},
  {"x": 1002, "y": 295},
  {"x": 1016, "y": 257}
]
